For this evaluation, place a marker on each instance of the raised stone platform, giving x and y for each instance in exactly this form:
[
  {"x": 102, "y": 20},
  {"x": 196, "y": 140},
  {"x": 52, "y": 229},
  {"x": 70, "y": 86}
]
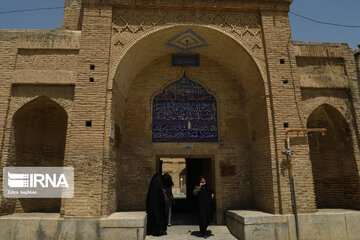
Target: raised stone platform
[
  {"x": 326, "y": 224},
  {"x": 124, "y": 225},
  {"x": 40, "y": 226}
]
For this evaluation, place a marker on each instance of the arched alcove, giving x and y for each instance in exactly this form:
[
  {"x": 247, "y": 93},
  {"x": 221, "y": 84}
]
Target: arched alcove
[
  {"x": 39, "y": 135},
  {"x": 335, "y": 173}
]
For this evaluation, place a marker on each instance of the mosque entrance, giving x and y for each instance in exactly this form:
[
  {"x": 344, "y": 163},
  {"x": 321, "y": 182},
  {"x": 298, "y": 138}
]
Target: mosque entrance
[
  {"x": 185, "y": 173},
  {"x": 163, "y": 110}
]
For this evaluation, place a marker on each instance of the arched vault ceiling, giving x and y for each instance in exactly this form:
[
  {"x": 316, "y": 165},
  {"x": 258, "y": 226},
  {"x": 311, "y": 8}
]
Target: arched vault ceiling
[{"x": 222, "y": 48}]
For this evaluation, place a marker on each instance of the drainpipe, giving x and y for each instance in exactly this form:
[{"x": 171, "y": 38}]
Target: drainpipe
[{"x": 289, "y": 152}]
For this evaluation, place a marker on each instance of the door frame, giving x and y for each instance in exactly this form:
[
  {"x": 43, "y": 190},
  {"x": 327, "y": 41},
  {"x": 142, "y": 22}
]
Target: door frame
[{"x": 191, "y": 156}]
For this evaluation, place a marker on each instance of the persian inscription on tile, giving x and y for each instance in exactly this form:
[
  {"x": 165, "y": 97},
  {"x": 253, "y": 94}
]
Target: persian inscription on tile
[{"x": 184, "y": 112}]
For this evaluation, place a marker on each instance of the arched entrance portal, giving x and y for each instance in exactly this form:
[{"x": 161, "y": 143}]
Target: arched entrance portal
[
  {"x": 239, "y": 153},
  {"x": 334, "y": 167},
  {"x": 39, "y": 137}
]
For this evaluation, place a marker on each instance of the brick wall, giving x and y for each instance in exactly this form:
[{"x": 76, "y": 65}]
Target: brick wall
[
  {"x": 286, "y": 108},
  {"x": 7, "y": 64},
  {"x": 86, "y": 148},
  {"x": 260, "y": 154},
  {"x": 58, "y": 49},
  {"x": 334, "y": 157},
  {"x": 73, "y": 15},
  {"x": 322, "y": 72}
]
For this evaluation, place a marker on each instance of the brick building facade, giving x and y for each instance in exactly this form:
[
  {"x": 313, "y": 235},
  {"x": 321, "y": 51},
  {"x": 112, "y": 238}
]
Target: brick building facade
[{"x": 63, "y": 89}]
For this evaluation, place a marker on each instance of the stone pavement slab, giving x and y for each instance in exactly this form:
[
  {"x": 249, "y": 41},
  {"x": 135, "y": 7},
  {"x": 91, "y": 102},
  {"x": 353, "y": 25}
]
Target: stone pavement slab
[{"x": 191, "y": 232}]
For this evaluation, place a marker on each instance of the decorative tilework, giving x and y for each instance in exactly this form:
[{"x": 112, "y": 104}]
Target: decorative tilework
[
  {"x": 184, "y": 112},
  {"x": 187, "y": 40}
]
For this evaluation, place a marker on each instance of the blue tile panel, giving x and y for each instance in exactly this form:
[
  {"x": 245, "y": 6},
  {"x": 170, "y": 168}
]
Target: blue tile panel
[{"x": 184, "y": 112}]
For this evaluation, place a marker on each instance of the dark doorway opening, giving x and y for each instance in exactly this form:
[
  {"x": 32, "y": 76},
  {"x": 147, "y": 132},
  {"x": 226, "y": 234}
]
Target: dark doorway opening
[{"x": 185, "y": 173}]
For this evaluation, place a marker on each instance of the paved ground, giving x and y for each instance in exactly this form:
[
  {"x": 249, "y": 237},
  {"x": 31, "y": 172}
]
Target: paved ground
[
  {"x": 185, "y": 228},
  {"x": 191, "y": 232}
]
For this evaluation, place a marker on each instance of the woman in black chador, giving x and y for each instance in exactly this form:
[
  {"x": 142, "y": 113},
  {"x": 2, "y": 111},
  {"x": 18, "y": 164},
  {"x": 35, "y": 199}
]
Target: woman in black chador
[
  {"x": 206, "y": 205},
  {"x": 155, "y": 207}
]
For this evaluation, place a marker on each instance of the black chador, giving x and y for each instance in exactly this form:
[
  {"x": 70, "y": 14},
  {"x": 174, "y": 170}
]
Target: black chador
[
  {"x": 155, "y": 207},
  {"x": 206, "y": 204}
]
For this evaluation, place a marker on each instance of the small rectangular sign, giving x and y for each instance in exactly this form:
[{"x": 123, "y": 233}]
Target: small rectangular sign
[
  {"x": 38, "y": 182},
  {"x": 186, "y": 60},
  {"x": 112, "y": 130}
]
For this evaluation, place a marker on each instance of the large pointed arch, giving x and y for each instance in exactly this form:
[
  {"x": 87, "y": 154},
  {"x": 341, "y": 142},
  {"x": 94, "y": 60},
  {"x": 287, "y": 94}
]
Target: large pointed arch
[{"x": 230, "y": 73}]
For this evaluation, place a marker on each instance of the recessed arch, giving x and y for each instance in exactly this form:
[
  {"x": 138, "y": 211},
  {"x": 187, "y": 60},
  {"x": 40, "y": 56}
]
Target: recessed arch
[
  {"x": 333, "y": 162},
  {"x": 153, "y": 43},
  {"x": 228, "y": 72},
  {"x": 139, "y": 45},
  {"x": 38, "y": 140}
]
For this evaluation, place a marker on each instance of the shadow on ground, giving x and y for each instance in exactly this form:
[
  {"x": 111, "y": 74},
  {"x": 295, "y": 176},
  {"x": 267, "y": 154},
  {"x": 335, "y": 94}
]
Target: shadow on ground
[{"x": 198, "y": 234}]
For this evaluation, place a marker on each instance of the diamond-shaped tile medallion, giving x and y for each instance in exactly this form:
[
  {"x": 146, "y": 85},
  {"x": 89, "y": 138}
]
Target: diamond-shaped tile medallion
[{"x": 187, "y": 40}]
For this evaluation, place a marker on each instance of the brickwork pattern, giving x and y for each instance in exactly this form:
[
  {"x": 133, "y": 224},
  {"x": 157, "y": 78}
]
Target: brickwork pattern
[
  {"x": 73, "y": 14},
  {"x": 322, "y": 72},
  {"x": 334, "y": 166},
  {"x": 86, "y": 149},
  {"x": 7, "y": 64},
  {"x": 21, "y": 97},
  {"x": 342, "y": 99},
  {"x": 32, "y": 49},
  {"x": 277, "y": 42}
]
